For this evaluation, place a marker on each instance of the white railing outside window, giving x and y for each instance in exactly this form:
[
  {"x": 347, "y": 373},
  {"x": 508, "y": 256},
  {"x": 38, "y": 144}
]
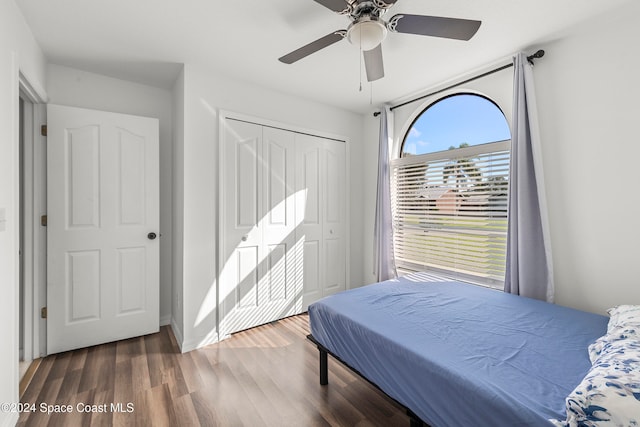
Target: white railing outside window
[{"x": 450, "y": 212}]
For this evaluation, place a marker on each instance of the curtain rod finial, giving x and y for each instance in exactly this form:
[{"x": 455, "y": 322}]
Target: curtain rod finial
[
  {"x": 538, "y": 54},
  {"x": 376, "y": 114}
]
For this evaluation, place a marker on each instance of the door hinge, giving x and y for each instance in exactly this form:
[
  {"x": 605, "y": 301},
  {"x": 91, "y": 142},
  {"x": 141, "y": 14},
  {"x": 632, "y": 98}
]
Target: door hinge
[
  {"x": 43, "y": 130},
  {"x": 43, "y": 220},
  {"x": 43, "y": 312}
]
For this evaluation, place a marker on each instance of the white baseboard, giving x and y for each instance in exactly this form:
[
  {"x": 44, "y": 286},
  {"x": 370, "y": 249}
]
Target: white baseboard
[
  {"x": 165, "y": 320},
  {"x": 195, "y": 343},
  {"x": 177, "y": 333},
  {"x": 192, "y": 343}
]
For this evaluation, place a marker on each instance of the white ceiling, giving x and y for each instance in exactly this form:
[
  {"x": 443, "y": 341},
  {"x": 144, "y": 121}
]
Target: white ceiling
[{"x": 147, "y": 40}]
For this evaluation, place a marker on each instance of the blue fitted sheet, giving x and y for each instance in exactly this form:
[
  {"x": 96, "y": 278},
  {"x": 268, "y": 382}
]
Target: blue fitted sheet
[{"x": 458, "y": 354}]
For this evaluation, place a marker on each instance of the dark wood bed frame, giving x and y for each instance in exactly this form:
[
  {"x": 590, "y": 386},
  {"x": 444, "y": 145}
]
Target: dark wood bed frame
[{"x": 414, "y": 420}]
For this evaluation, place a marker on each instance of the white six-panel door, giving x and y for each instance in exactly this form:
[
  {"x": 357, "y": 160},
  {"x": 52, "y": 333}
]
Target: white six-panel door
[
  {"x": 282, "y": 227},
  {"x": 309, "y": 202},
  {"x": 283, "y": 292},
  {"x": 321, "y": 213},
  {"x": 334, "y": 216},
  {"x": 102, "y": 202}
]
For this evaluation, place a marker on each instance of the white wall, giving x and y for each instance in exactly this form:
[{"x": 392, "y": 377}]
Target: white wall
[
  {"x": 68, "y": 86},
  {"x": 18, "y": 53},
  {"x": 589, "y": 107},
  {"x": 205, "y": 94}
]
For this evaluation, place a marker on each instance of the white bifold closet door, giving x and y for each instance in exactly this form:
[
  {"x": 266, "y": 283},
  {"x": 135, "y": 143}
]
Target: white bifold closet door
[{"x": 282, "y": 223}]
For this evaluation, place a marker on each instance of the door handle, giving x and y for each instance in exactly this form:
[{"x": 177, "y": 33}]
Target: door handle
[{"x": 152, "y": 236}]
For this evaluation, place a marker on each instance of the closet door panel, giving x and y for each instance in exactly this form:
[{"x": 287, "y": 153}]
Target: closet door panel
[
  {"x": 281, "y": 294},
  {"x": 334, "y": 216},
  {"x": 242, "y": 246},
  {"x": 309, "y": 154}
]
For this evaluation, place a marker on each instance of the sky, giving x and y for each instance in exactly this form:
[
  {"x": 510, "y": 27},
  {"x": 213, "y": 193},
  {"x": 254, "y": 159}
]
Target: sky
[{"x": 454, "y": 121}]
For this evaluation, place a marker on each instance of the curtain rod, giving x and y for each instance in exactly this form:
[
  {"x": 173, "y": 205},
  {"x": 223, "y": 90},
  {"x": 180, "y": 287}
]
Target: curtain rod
[{"x": 530, "y": 58}]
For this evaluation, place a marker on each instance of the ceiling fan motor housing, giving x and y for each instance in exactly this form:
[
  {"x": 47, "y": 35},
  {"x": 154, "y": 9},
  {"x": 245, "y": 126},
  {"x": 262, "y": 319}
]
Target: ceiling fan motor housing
[{"x": 367, "y": 32}]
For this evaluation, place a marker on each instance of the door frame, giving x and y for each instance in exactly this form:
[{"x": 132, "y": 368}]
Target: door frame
[
  {"x": 35, "y": 235},
  {"x": 225, "y": 115}
]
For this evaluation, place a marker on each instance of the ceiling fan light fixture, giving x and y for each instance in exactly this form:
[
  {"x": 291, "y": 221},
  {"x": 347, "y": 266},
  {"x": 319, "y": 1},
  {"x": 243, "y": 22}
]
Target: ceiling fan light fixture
[{"x": 367, "y": 33}]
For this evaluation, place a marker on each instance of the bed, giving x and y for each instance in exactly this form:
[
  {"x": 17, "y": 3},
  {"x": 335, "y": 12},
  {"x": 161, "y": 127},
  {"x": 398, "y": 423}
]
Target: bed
[{"x": 456, "y": 354}]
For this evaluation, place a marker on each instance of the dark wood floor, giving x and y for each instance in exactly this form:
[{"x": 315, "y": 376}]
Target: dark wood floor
[{"x": 266, "y": 376}]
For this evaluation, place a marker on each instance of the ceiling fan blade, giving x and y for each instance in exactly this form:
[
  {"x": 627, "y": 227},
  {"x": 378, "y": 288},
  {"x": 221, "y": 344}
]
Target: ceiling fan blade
[
  {"x": 335, "y": 5},
  {"x": 435, "y": 26},
  {"x": 373, "y": 63},
  {"x": 313, "y": 47}
]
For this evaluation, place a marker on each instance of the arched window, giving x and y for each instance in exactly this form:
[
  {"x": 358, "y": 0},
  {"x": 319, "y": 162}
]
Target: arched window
[
  {"x": 455, "y": 120},
  {"x": 449, "y": 191}
]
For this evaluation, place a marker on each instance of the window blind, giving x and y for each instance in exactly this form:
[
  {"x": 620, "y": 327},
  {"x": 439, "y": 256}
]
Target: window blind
[{"x": 450, "y": 212}]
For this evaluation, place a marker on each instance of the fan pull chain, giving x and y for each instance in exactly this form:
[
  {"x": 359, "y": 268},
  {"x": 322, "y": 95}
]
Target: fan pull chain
[
  {"x": 370, "y": 93},
  {"x": 360, "y": 74}
]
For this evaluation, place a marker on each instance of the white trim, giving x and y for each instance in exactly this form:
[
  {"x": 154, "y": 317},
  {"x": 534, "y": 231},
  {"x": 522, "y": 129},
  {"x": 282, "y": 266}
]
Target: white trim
[
  {"x": 35, "y": 94},
  {"x": 347, "y": 219},
  {"x": 225, "y": 114},
  {"x": 19, "y": 82},
  {"x": 27, "y": 228},
  {"x": 34, "y": 250},
  {"x": 193, "y": 343},
  {"x": 40, "y": 233},
  {"x": 165, "y": 320},
  {"x": 219, "y": 227},
  {"x": 176, "y": 333},
  {"x": 13, "y": 237},
  {"x": 199, "y": 342}
]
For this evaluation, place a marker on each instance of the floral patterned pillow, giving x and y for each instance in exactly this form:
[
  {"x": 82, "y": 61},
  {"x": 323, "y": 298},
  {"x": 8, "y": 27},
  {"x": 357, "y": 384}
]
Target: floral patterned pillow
[
  {"x": 606, "y": 342},
  {"x": 609, "y": 395},
  {"x": 623, "y": 316}
]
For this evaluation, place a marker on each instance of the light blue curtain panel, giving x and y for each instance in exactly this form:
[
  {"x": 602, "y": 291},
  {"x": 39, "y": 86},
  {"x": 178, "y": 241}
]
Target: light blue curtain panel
[
  {"x": 384, "y": 261},
  {"x": 529, "y": 268}
]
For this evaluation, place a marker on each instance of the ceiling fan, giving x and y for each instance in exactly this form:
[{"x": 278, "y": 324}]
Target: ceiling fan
[{"x": 367, "y": 30}]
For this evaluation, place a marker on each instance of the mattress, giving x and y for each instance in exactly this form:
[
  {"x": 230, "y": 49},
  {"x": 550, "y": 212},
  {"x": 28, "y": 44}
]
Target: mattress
[{"x": 460, "y": 355}]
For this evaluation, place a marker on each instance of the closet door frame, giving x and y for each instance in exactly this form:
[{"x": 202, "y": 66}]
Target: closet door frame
[{"x": 225, "y": 115}]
